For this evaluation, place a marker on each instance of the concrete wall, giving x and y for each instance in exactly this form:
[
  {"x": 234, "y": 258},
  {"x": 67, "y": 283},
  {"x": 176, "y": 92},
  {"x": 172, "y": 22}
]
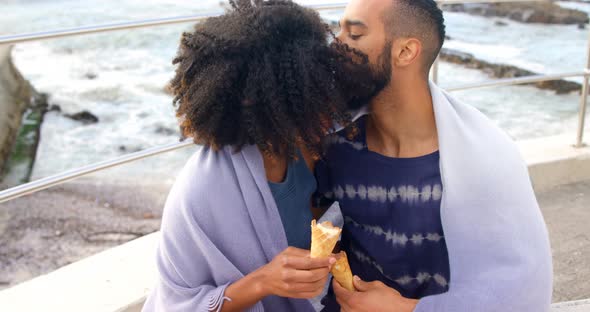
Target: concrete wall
[{"x": 15, "y": 96}]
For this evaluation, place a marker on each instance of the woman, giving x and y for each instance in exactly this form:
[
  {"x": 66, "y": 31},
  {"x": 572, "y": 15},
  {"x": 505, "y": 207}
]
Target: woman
[{"x": 254, "y": 88}]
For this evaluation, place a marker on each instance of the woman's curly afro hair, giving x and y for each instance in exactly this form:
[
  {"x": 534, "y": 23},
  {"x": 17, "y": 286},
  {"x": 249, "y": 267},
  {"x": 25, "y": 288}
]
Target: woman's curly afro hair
[{"x": 266, "y": 74}]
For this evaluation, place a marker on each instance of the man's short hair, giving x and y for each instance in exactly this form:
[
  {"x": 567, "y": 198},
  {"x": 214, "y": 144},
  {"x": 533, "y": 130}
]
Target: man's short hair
[{"x": 421, "y": 19}]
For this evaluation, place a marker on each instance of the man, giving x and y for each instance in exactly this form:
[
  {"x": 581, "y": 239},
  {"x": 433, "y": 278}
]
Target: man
[{"x": 439, "y": 211}]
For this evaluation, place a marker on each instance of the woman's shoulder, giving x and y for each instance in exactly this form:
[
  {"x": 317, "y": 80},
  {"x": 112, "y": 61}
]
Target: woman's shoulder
[
  {"x": 205, "y": 189},
  {"x": 206, "y": 165},
  {"x": 202, "y": 175}
]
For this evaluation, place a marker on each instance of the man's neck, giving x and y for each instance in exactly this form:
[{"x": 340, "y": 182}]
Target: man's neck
[{"x": 401, "y": 122}]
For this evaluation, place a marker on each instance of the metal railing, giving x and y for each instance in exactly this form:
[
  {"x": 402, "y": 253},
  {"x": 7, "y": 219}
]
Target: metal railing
[
  {"x": 85, "y": 30},
  {"x": 63, "y": 177},
  {"x": 60, "y": 178}
]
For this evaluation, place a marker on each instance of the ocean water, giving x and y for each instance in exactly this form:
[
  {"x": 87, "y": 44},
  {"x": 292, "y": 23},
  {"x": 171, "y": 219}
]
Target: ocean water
[
  {"x": 132, "y": 67},
  {"x": 582, "y": 6}
]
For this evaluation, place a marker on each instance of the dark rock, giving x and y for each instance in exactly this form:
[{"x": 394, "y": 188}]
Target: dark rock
[
  {"x": 125, "y": 149},
  {"x": 526, "y": 12},
  {"x": 67, "y": 50},
  {"x": 506, "y": 71},
  {"x": 90, "y": 76},
  {"x": 54, "y": 108},
  {"x": 447, "y": 37},
  {"x": 84, "y": 116},
  {"x": 165, "y": 130},
  {"x": 581, "y": 26},
  {"x": 500, "y": 23}
]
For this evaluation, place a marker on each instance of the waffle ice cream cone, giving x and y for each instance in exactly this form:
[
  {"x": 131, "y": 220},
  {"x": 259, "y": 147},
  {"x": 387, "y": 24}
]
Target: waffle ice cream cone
[
  {"x": 324, "y": 237},
  {"x": 342, "y": 273}
]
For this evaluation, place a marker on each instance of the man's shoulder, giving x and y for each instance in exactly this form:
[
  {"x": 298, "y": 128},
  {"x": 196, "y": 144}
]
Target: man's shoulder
[{"x": 482, "y": 136}]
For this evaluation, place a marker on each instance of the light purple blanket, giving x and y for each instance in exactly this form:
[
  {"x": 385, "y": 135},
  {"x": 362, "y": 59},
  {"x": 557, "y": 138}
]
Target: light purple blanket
[
  {"x": 498, "y": 245},
  {"x": 220, "y": 223}
]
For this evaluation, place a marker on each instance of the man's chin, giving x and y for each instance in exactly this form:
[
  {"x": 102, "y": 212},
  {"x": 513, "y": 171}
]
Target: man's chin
[{"x": 357, "y": 103}]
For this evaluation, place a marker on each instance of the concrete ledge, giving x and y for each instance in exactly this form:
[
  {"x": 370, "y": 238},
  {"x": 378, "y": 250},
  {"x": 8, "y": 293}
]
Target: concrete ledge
[
  {"x": 572, "y": 306},
  {"x": 555, "y": 161},
  {"x": 117, "y": 279}
]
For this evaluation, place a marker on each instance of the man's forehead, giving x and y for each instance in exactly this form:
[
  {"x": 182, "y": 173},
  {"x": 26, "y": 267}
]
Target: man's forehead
[{"x": 366, "y": 11}]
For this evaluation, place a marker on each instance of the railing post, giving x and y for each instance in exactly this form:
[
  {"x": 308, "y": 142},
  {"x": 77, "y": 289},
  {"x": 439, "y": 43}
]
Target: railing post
[
  {"x": 435, "y": 70},
  {"x": 584, "y": 100}
]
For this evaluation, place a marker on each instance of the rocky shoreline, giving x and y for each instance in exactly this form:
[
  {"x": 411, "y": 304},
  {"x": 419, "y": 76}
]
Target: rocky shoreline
[
  {"x": 495, "y": 70},
  {"x": 546, "y": 12},
  {"x": 506, "y": 71},
  {"x": 21, "y": 113},
  {"x": 22, "y": 110}
]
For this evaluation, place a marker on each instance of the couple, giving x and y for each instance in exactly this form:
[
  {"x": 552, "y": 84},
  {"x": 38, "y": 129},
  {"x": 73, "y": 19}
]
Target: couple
[{"x": 439, "y": 213}]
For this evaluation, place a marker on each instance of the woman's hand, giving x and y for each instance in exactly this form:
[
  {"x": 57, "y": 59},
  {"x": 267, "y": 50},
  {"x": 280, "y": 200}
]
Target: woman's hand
[{"x": 293, "y": 274}]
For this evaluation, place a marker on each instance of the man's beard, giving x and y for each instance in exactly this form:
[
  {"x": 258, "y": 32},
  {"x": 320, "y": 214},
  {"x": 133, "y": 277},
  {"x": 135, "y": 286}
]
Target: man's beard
[
  {"x": 376, "y": 76},
  {"x": 381, "y": 71}
]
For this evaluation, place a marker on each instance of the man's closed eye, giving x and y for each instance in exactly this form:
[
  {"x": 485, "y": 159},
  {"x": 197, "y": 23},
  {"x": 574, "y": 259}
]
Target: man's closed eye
[{"x": 354, "y": 37}]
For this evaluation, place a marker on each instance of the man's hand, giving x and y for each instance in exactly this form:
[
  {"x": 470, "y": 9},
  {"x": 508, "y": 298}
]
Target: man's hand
[{"x": 372, "y": 296}]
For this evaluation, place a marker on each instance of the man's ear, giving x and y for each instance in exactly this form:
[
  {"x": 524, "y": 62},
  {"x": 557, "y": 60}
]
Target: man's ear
[{"x": 406, "y": 51}]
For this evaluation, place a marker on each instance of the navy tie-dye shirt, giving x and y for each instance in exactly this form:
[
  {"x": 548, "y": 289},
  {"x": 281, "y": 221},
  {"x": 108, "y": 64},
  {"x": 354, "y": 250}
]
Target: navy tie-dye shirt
[{"x": 391, "y": 208}]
